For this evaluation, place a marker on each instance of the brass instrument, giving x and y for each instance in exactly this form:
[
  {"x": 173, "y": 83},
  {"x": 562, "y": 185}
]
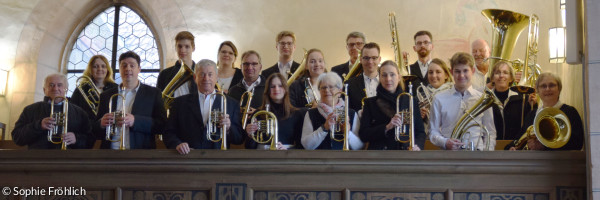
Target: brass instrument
[
  {"x": 362, "y": 101},
  {"x": 248, "y": 95},
  {"x": 551, "y": 127},
  {"x": 341, "y": 120},
  {"x": 311, "y": 101},
  {"x": 299, "y": 71},
  {"x": 92, "y": 96},
  {"x": 214, "y": 119},
  {"x": 62, "y": 121},
  {"x": 407, "y": 120},
  {"x": 464, "y": 123},
  {"x": 118, "y": 115},
  {"x": 425, "y": 94},
  {"x": 183, "y": 75},
  {"x": 401, "y": 60},
  {"x": 355, "y": 69},
  {"x": 268, "y": 128}
]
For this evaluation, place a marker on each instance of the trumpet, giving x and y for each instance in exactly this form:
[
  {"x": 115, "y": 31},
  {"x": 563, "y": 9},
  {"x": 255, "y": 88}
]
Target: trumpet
[
  {"x": 407, "y": 120},
  {"x": 310, "y": 101},
  {"x": 425, "y": 94},
  {"x": 267, "y": 128},
  {"x": 340, "y": 121},
  {"x": 61, "y": 121},
  {"x": 92, "y": 95},
  {"x": 214, "y": 119},
  {"x": 111, "y": 129},
  {"x": 245, "y": 110}
]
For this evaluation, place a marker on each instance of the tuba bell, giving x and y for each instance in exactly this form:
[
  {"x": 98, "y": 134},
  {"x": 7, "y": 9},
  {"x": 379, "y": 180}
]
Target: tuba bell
[
  {"x": 92, "y": 95},
  {"x": 341, "y": 121},
  {"x": 111, "y": 129},
  {"x": 551, "y": 127},
  {"x": 300, "y": 71},
  {"x": 267, "y": 128},
  {"x": 213, "y": 132},
  {"x": 407, "y": 120},
  {"x": 183, "y": 75},
  {"x": 60, "y": 129}
]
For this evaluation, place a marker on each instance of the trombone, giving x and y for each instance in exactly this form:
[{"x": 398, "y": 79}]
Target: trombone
[
  {"x": 111, "y": 129},
  {"x": 407, "y": 119},
  {"x": 214, "y": 119},
  {"x": 340, "y": 121},
  {"x": 92, "y": 96},
  {"x": 310, "y": 101},
  {"x": 61, "y": 121},
  {"x": 248, "y": 95},
  {"x": 268, "y": 128}
]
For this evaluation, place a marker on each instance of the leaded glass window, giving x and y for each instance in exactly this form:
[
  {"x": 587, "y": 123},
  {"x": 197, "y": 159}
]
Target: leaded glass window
[{"x": 101, "y": 36}]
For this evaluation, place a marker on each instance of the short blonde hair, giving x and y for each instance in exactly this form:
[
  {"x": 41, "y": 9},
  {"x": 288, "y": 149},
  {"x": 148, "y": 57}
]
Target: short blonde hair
[
  {"x": 510, "y": 69},
  {"x": 545, "y": 75},
  {"x": 284, "y": 34}
]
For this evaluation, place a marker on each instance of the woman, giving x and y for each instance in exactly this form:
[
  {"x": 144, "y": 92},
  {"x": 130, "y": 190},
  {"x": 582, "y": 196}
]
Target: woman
[
  {"x": 440, "y": 79},
  {"x": 319, "y": 121},
  {"x": 100, "y": 72},
  {"x": 508, "y": 119},
  {"x": 379, "y": 117},
  {"x": 315, "y": 66},
  {"x": 289, "y": 118},
  {"x": 228, "y": 75},
  {"x": 548, "y": 86}
]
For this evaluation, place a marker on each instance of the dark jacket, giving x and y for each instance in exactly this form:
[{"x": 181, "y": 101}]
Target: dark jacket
[
  {"x": 341, "y": 69},
  {"x": 77, "y": 99},
  {"x": 421, "y": 78},
  {"x": 508, "y": 120},
  {"x": 237, "y": 90},
  {"x": 356, "y": 91},
  {"x": 165, "y": 76},
  {"x": 297, "y": 95},
  {"x": 237, "y": 78},
  {"x": 275, "y": 69},
  {"x": 289, "y": 129}
]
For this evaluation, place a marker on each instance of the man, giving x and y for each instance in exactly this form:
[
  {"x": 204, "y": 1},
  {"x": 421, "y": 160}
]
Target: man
[
  {"x": 187, "y": 125},
  {"x": 450, "y": 105},
  {"x": 480, "y": 51},
  {"x": 366, "y": 83},
  {"x": 354, "y": 43},
  {"x": 145, "y": 113},
  {"x": 252, "y": 81},
  {"x": 32, "y": 127},
  {"x": 423, "y": 47},
  {"x": 185, "y": 46},
  {"x": 286, "y": 45}
]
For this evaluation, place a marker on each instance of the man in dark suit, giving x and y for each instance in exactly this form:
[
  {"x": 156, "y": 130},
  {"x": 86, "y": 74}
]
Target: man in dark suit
[
  {"x": 187, "y": 125},
  {"x": 145, "y": 113},
  {"x": 286, "y": 45},
  {"x": 354, "y": 43},
  {"x": 366, "y": 83},
  {"x": 252, "y": 81},
  {"x": 184, "y": 44},
  {"x": 423, "y": 47}
]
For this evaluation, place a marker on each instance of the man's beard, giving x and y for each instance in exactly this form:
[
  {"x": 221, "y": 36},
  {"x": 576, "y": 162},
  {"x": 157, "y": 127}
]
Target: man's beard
[{"x": 423, "y": 53}]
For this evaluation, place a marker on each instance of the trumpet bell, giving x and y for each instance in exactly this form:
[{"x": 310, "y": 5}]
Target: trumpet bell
[{"x": 552, "y": 128}]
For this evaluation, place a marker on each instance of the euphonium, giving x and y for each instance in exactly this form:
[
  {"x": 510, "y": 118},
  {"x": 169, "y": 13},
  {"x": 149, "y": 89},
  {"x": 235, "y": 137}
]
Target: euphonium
[
  {"x": 311, "y": 101},
  {"x": 118, "y": 115},
  {"x": 407, "y": 120},
  {"x": 214, "y": 119},
  {"x": 267, "y": 128},
  {"x": 551, "y": 127},
  {"x": 299, "y": 71},
  {"x": 183, "y": 75},
  {"x": 355, "y": 69},
  {"x": 245, "y": 110},
  {"x": 62, "y": 122},
  {"x": 464, "y": 123},
  {"x": 92, "y": 96},
  {"x": 341, "y": 120}
]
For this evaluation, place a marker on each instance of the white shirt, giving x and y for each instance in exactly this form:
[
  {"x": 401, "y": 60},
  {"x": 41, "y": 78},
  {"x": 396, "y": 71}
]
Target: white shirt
[
  {"x": 424, "y": 67},
  {"x": 371, "y": 85},
  {"x": 312, "y": 139},
  {"x": 129, "y": 99},
  {"x": 284, "y": 68},
  {"x": 182, "y": 90},
  {"x": 205, "y": 105},
  {"x": 448, "y": 107},
  {"x": 478, "y": 80},
  {"x": 251, "y": 86},
  {"x": 225, "y": 83}
]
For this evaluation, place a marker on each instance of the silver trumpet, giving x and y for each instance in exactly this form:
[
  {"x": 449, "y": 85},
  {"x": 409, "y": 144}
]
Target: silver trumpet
[
  {"x": 61, "y": 121},
  {"x": 111, "y": 129},
  {"x": 407, "y": 119},
  {"x": 214, "y": 119},
  {"x": 340, "y": 121}
]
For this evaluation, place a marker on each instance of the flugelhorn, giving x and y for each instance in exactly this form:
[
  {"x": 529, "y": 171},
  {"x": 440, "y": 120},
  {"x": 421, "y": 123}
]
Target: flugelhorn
[
  {"x": 341, "y": 120},
  {"x": 267, "y": 128},
  {"x": 315, "y": 99},
  {"x": 551, "y": 127},
  {"x": 246, "y": 109},
  {"x": 92, "y": 95},
  {"x": 299, "y": 71},
  {"x": 62, "y": 122},
  {"x": 118, "y": 115},
  {"x": 406, "y": 117},
  {"x": 183, "y": 75},
  {"x": 213, "y": 133}
]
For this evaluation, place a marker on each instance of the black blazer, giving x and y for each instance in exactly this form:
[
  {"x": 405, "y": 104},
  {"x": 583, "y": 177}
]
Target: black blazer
[
  {"x": 148, "y": 110},
  {"x": 289, "y": 130},
  {"x": 508, "y": 120},
  {"x": 274, "y": 69},
  {"x": 77, "y": 99},
  {"x": 237, "y": 90},
  {"x": 421, "y": 78},
  {"x": 373, "y": 122},
  {"x": 237, "y": 78},
  {"x": 356, "y": 93},
  {"x": 341, "y": 69},
  {"x": 185, "y": 123},
  {"x": 165, "y": 76}
]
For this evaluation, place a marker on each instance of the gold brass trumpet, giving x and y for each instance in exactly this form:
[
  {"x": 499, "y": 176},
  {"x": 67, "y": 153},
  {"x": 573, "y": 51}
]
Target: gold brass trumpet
[
  {"x": 245, "y": 110},
  {"x": 407, "y": 120},
  {"x": 341, "y": 121},
  {"x": 551, "y": 127},
  {"x": 183, "y": 75},
  {"x": 111, "y": 129},
  {"x": 92, "y": 95},
  {"x": 61, "y": 121},
  {"x": 267, "y": 128},
  {"x": 214, "y": 119}
]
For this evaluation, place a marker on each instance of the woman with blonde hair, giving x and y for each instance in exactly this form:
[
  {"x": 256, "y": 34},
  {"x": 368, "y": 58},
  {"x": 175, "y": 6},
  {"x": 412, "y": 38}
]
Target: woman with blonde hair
[{"x": 101, "y": 74}]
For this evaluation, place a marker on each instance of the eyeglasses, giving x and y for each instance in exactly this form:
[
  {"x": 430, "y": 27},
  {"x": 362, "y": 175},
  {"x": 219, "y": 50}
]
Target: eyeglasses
[
  {"x": 548, "y": 86},
  {"x": 424, "y": 43},
  {"x": 328, "y": 87},
  {"x": 247, "y": 64},
  {"x": 357, "y": 44},
  {"x": 370, "y": 58},
  {"x": 285, "y": 43}
]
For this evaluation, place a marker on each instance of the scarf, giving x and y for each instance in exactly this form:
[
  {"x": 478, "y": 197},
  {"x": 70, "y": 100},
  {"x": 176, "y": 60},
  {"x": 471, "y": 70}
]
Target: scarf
[{"x": 387, "y": 100}]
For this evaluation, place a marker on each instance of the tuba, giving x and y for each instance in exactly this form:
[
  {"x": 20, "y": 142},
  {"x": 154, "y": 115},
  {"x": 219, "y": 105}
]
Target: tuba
[
  {"x": 551, "y": 127},
  {"x": 267, "y": 128},
  {"x": 487, "y": 100},
  {"x": 245, "y": 110},
  {"x": 111, "y": 129},
  {"x": 214, "y": 119},
  {"x": 299, "y": 71},
  {"x": 92, "y": 96},
  {"x": 183, "y": 75},
  {"x": 310, "y": 101},
  {"x": 61, "y": 121},
  {"x": 341, "y": 121},
  {"x": 407, "y": 120}
]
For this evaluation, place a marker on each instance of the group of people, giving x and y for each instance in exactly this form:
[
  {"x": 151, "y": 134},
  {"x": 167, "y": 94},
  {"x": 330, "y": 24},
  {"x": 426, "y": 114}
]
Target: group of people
[{"x": 306, "y": 107}]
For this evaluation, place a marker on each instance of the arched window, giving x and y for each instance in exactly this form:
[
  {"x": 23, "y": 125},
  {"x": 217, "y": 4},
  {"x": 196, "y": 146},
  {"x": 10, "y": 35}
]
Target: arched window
[{"x": 101, "y": 36}]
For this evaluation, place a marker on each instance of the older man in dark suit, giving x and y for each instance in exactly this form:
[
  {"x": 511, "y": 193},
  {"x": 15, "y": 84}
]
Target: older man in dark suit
[{"x": 354, "y": 43}]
